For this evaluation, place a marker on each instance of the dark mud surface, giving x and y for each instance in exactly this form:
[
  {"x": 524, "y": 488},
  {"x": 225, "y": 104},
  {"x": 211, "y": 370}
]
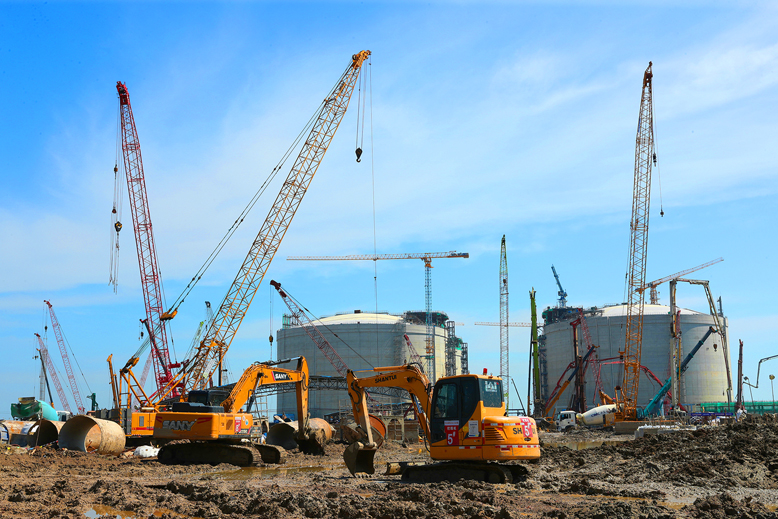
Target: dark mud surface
[{"x": 725, "y": 471}]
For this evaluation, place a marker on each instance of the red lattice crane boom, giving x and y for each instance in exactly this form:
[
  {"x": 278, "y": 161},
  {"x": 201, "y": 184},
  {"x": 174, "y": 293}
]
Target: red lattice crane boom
[
  {"x": 53, "y": 373},
  {"x": 638, "y": 250},
  {"x": 65, "y": 359},
  {"x": 150, "y": 277}
]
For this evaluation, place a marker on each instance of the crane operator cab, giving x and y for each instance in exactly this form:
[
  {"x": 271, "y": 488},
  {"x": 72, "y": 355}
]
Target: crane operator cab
[
  {"x": 468, "y": 422},
  {"x": 202, "y": 401}
]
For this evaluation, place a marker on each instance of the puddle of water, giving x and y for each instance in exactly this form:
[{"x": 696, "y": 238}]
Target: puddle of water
[
  {"x": 579, "y": 446},
  {"x": 247, "y": 473},
  {"x": 107, "y": 512}
]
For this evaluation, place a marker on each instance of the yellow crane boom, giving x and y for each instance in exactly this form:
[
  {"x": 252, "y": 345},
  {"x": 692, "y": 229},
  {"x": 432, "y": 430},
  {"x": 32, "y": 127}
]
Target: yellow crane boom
[
  {"x": 217, "y": 339},
  {"x": 638, "y": 249}
]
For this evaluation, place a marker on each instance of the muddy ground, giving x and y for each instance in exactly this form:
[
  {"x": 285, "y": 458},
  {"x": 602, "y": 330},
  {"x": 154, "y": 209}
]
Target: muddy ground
[{"x": 725, "y": 471}]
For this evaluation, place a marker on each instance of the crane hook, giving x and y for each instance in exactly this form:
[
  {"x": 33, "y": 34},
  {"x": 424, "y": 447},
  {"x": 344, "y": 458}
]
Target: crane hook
[
  {"x": 117, "y": 226},
  {"x": 359, "y": 154}
]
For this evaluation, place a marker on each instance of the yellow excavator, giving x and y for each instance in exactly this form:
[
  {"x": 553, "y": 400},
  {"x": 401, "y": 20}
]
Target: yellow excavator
[
  {"x": 217, "y": 431},
  {"x": 464, "y": 420}
]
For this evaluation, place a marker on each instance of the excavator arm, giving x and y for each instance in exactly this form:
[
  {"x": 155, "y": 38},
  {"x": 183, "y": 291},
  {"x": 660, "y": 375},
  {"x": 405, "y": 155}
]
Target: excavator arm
[
  {"x": 359, "y": 456},
  {"x": 264, "y": 374}
]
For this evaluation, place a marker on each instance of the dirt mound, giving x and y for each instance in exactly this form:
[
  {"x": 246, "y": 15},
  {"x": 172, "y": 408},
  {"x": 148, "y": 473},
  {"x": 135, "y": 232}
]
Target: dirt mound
[{"x": 724, "y": 505}]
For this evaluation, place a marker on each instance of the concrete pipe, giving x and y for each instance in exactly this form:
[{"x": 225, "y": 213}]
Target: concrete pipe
[
  {"x": 44, "y": 432},
  {"x": 87, "y": 434},
  {"x": 14, "y": 432},
  {"x": 324, "y": 426},
  {"x": 284, "y": 435}
]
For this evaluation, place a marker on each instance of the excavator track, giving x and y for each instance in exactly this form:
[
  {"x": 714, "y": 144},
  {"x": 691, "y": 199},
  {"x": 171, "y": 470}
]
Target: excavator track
[
  {"x": 213, "y": 453},
  {"x": 454, "y": 471}
]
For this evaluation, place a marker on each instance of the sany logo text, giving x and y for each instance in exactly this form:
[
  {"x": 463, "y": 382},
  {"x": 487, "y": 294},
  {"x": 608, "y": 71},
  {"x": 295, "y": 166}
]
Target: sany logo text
[{"x": 178, "y": 425}]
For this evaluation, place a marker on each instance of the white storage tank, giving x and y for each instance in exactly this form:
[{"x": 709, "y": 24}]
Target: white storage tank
[
  {"x": 363, "y": 340},
  {"x": 704, "y": 381}
]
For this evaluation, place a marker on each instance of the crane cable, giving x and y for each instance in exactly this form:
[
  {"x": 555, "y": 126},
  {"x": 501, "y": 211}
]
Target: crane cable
[
  {"x": 372, "y": 178},
  {"x": 653, "y": 142},
  {"x": 241, "y": 217},
  {"x": 116, "y": 212}
]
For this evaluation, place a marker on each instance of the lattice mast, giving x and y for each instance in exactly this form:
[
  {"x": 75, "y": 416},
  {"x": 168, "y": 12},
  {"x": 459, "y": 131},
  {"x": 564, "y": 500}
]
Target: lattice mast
[
  {"x": 504, "y": 352},
  {"x": 429, "y": 338},
  {"x": 65, "y": 359},
  {"x": 53, "y": 373},
  {"x": 233, "y": 308},
  {"x": 150, "y": 278},
  {"x": 533, "y": 343},
  {"x": 638, "y": 249}
]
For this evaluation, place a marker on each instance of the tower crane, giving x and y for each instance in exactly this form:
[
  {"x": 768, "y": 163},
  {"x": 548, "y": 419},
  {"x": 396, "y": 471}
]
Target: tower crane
[
  {"x": 638, "y": 250},
  {"x": 53, "y": 372},
  {"x": 150, "y": 277},
  {"x": 561, "y": 293},
  {"x": 654, "y": 284},
  {"x": 196, "y": 372},
  {"x": 427, "y": 258},
  {"x": 65, "y": 359}
]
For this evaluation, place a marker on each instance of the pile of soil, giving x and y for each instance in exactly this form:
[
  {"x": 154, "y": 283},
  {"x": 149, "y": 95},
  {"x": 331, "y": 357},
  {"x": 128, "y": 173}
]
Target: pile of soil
[{"x": 726, "y": 471}]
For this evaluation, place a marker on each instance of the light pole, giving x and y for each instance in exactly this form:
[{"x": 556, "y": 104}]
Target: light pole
[{"x": 772, "y": 377}]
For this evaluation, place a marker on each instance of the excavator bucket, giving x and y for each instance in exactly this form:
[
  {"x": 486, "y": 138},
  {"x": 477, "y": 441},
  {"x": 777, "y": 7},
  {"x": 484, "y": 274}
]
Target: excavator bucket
[
  {"x": 313, "y": 442},
  {"x": 359, "y": 459}
]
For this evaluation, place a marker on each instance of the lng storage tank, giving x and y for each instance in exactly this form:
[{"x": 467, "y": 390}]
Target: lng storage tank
[{"x": 705, "y": 380}]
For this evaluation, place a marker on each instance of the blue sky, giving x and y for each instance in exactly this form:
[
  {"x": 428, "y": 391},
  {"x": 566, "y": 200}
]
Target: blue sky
[{"x": 489, "y": 118}]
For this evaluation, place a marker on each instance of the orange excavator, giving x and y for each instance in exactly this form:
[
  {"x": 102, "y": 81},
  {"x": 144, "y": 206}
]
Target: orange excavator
[
  {"x": 219, "y": 431},
  {"x": 464, "y": 420}
]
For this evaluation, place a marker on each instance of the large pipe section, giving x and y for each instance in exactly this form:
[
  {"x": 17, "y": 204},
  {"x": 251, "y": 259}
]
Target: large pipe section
[
  {"x": 44, "y": 432},
  {"x": 87, "y": 434}
]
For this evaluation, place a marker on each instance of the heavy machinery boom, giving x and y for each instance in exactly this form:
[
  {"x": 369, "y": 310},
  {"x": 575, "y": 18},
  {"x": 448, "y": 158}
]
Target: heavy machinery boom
[
  {"x": 653, "y": 405},
  {"x": 65, "y": 359},
  {"x": 227, "y": 320},
  {"x": 53, "y": 373},
  {"x": 638, "y": 249},
  {"x": 150, "y": 277}
]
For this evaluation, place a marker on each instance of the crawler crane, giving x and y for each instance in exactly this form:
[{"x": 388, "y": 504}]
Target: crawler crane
[{"x": 463, "y": 419}]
